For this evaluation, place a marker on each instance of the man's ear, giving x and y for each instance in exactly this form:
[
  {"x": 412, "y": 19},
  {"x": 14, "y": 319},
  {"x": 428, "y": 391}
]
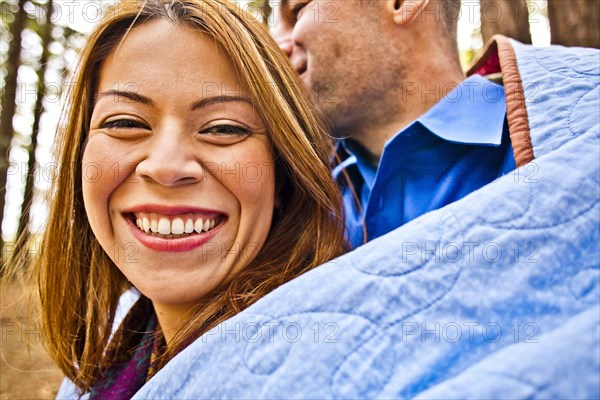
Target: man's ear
[{"x": 405, "y": 12}]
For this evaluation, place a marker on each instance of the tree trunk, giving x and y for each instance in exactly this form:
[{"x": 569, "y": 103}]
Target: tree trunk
[
  {"x": 9, "y": 102},
  {"x": 46, "y": 39},
  {"x": 506, "y": 17},
  {"x": 575, "y": 22}
]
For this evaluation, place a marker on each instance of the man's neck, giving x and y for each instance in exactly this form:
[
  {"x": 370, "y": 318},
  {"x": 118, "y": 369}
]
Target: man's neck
[{"x": 414, "y": 99}]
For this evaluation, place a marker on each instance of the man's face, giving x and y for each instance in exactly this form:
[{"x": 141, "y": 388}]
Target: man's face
[{"x": 338, "y": 49}]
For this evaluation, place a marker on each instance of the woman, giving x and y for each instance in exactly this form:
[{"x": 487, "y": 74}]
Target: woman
[{"x": 193, "y": 169}]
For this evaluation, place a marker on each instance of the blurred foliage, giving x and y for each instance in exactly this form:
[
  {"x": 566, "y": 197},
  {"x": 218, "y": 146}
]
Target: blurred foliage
[{"x": 261, "y": 8}]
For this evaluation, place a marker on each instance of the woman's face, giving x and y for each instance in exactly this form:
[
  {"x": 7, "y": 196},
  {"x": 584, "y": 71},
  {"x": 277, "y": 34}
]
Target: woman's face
[{"x": 178, "y": 172}]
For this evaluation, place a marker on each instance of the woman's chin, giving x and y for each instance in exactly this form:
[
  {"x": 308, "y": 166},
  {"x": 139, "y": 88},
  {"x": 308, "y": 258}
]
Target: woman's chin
[
  {"x": 178, "y": 282},
  {"x": 174, "y": 296}
]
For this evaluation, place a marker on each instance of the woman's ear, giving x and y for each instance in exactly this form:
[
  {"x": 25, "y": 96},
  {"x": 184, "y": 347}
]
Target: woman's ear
[{"x": 405, "y": 12}]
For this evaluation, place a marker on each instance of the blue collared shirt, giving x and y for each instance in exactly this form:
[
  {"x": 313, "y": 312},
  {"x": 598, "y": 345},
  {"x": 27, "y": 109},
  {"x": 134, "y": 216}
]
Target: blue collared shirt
[{"x": 455, "y": 148}]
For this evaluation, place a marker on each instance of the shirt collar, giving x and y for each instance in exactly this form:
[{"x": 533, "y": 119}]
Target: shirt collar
[{"x": 472, "y": 113}]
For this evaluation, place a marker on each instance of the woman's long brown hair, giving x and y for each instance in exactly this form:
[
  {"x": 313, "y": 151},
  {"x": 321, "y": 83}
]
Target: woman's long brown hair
[{"x": 79, "y": 286}]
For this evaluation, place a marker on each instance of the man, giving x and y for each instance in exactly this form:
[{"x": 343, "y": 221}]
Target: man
[{"x": 387, "y": 77}]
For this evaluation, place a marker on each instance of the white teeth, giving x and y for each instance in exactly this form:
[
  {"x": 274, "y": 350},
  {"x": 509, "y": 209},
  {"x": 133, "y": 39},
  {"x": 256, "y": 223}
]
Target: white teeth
[
  {"x": 189, "y": 226},
  {"x": 168, "y": 228},
  {"x": 177, "y": 227},
  {"x": 198, "y": 225},
  {"x": 164, "y": 226}
]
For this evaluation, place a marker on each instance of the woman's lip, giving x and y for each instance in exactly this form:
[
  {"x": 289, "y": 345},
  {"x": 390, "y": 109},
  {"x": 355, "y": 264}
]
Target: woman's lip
[
  {"x": 170, "y": 210},
  {"x": 172, "y": 245}
]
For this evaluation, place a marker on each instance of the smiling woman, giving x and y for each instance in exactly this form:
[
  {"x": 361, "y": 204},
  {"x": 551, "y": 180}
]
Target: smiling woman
[
  {"x": 166, "y": 135},
  {"x": 193, "y": 170}
]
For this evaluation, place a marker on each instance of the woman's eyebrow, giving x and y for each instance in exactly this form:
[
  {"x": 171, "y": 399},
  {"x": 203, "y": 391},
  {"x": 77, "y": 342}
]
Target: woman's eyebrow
[
  {"x": 207, "y": 101},
  {"x": 138, "y": 98},
  {"x": 133, "y": 96}
]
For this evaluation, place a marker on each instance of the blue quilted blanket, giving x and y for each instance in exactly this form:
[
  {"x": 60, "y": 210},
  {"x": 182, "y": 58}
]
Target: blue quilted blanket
[{"x": 494, "y": 296}]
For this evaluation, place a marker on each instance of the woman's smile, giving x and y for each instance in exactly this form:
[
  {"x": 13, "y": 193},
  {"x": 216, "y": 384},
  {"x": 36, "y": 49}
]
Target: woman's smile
[{"x": 174, "y": 229}]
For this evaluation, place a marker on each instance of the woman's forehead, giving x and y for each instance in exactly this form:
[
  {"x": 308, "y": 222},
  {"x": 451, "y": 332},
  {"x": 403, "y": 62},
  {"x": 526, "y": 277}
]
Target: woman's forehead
[{"x": 161, "y": 58}]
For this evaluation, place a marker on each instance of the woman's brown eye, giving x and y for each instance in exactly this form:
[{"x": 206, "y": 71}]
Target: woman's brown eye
[
  {"x": 123, "y": 123},
  {"x": 222, "y": 130}
]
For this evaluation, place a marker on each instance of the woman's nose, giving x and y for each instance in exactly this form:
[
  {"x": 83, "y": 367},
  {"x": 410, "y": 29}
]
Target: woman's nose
[{"x": 170, "y": 161}]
